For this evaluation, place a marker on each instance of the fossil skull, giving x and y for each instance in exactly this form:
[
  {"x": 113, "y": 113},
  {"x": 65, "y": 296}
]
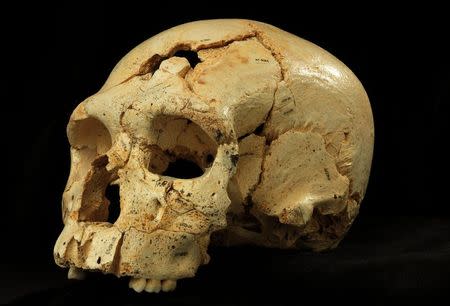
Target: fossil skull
[{"x": 275, "y": 134}]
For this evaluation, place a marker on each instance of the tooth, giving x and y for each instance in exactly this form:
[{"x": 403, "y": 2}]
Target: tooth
[
  {"x": 153, "y": 285},
  {"x": 137, "y": 284},
  {"x": 76, "y": 273},
  {"x": 168, "y": 285}
]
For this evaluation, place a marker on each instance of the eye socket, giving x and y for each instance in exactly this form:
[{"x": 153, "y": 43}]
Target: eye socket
[
  {"x": 183, "y": 168},
  {"x": 90, "y": 133},
  {"x": 183, "y": 149}
]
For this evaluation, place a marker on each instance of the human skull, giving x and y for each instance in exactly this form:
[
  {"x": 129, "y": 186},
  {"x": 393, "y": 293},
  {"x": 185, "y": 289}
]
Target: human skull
[{"x": 279, "y": 133}]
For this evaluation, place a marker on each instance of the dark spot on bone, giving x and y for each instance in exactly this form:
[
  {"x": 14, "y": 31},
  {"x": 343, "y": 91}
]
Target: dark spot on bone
[
  {"x": 209, "y": 159},
  {"x": 234, "y": 159},
  {"x": 327, "y": 173},
  {"x": 180, "y": 254},
  {"x": 99, "y": 260},
  {"x": 356, "y": 196},
  {"x": 346, "y": 135},
  {"x": 218, "y": 136}
]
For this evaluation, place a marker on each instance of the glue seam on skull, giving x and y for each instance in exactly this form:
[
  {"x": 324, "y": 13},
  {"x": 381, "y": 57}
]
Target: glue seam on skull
[{"x": 274, "y": 135}]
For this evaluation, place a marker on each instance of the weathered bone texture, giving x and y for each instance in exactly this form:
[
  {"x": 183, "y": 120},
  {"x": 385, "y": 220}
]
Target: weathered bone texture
[{"x": 279, "y": 131}]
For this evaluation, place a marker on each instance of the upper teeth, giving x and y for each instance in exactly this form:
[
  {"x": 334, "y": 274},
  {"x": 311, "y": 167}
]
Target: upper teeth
[{"x": 152, "y": 285}]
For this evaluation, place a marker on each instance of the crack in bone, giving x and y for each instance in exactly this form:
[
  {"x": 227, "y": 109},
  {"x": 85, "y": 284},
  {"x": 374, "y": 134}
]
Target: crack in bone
[
  {"x": 259, "y": 35},
  {"x": 152, "y": 64},
  {"x": 115, "y": 264},
  {"x": 149, "y": 63}
]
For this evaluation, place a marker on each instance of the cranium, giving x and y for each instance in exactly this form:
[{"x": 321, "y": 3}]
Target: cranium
[{"x": 278, "y": 131}]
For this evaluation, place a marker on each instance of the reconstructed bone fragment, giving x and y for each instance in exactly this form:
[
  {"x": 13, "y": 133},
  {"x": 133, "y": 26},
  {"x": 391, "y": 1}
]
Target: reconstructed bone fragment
[{"x": 266, "y": 139}]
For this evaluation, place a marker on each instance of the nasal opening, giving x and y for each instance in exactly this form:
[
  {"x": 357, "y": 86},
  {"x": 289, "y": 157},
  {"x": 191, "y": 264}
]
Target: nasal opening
[
  {"x": 91, "y": 140},
  {"x": 112, "y": 196}
]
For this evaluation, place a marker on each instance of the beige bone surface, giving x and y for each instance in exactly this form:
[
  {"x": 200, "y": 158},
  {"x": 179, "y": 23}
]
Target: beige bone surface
[{"x": 280, "y": 130}]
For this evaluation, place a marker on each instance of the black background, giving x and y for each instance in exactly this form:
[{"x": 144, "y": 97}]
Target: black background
[{"x": 399, "y": 248}]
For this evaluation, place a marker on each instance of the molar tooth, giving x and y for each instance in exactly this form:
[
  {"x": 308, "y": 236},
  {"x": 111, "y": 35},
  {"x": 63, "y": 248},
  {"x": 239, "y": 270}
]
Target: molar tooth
[
  {"x": 153, "y": 285},
  {"x": 76, "y": 273},
  {"x": 137, "y": 284},
  {"x": 168, "y": 285}
]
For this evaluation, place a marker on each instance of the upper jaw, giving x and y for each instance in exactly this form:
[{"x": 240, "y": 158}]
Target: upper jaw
[{"x": 103, "y": 247}]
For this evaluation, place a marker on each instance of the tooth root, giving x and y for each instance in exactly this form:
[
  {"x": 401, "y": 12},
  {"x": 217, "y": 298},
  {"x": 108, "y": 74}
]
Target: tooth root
[
  {"x": 76, "y": 273},
  {"x": 137, "y": 284},
  {"x": 168, "y": 285},
  {"x": 153, "y": 286}
]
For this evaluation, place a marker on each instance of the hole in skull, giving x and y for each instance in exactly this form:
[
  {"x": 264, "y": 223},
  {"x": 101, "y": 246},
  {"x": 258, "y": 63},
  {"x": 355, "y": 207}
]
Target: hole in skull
[
  {"x": 183, "y": 149},
  {"x": 191, "y": 56},
  {"x": 112, "y": 194},
  {"x": 183, "y": 168}
]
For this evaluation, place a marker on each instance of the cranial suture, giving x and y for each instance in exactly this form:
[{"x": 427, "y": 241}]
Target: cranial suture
[{"x": 223, "y": 131}]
